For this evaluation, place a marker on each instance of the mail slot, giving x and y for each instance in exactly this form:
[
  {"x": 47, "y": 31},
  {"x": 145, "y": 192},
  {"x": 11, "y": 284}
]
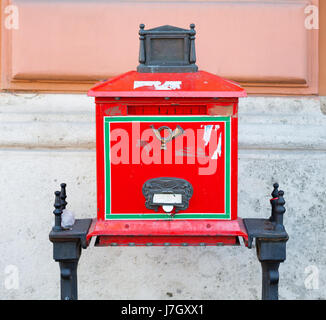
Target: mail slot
[{"x": 166, "y": 146}]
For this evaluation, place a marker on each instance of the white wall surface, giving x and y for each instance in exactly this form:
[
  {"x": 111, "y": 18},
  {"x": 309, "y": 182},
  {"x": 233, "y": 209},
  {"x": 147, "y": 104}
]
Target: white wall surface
[{"x": 49, "y": 139}]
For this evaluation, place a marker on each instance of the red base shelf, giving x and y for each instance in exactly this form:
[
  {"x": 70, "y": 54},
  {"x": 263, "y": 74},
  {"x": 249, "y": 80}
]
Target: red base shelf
[{"x": 167, "y": 232}]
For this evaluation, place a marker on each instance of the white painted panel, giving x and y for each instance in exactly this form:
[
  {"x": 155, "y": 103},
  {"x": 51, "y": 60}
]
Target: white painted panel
[{"x": 167, "y": 198}]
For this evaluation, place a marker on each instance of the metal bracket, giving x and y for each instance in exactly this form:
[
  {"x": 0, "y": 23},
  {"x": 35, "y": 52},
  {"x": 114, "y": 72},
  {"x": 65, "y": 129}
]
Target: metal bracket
[
  {"x": 271, "y": 238},
  {"x": 67, "y": 245}
]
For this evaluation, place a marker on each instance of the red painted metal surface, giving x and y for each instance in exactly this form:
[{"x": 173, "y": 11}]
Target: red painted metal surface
[
  {"x": 193, "y": 84},
  {"x": 199, "y": 94},
  {"x": 172, "y": 162},
  {"x": 166, "y": 241},
  {"x": 104, "y": 107},
  {"x": 176, "y": 232}
]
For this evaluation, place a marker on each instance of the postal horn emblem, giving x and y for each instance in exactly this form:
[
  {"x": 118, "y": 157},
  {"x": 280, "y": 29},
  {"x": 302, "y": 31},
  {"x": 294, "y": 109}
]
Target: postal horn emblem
[{"x": 172, "y": 134}]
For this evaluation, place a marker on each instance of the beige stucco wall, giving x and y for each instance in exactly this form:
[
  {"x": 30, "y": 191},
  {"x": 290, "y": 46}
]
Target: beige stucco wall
[{"x": 49, "y": 139}]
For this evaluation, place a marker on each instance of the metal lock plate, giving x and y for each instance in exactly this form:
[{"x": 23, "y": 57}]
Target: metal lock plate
[{"x": 168, "y": 193}]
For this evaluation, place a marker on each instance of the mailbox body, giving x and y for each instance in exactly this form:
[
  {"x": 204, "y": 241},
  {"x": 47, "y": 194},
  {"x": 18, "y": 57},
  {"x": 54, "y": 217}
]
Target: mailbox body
[{"x": 128, "y": 108}]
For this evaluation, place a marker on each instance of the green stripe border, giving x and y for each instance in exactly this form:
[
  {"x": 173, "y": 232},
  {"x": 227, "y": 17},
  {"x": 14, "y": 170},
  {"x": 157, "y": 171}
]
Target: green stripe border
[{"x": 107, "y": 173}]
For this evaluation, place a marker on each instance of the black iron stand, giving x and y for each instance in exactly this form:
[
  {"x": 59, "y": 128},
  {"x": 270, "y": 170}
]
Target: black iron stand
[
  {"x": 270, "y": 236},
  {"x": 67, "y": 246},
  {"x": 271, "y": 239}
]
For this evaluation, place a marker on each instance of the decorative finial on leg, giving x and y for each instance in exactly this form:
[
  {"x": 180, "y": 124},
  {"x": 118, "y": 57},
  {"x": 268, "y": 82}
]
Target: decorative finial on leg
[
  {"x": 63, "y": 196},
  {"x": 67, "y": 217},
  {"x": 279, "y": 211},
  {"x": 273, "y": 201},
  {"x": 57, "y": 212},
  {"x": 275, "y": 191}
]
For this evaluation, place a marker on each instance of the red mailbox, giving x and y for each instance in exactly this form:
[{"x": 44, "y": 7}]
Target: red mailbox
[
  {"x": 166, "y": 141},
  {"x": 167, "y": 164}
]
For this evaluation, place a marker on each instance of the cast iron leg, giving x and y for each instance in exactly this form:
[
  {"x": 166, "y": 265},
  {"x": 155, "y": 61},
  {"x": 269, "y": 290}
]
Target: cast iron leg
[
  {"x": 270, "y": 280},
  {"x": 68, "y": 271},
  {"x": 68, "y": 254},
  {"x": 270, "y": 255}
]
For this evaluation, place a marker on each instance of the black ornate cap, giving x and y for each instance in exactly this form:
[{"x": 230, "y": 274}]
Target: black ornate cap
[{"x": 167, "y": 49}]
